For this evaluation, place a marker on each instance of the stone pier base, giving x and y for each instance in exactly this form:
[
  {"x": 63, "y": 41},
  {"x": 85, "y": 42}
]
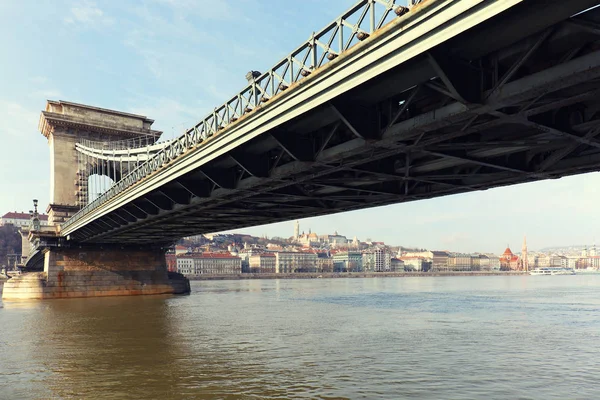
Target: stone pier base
[{"x": 93, "y": 272}]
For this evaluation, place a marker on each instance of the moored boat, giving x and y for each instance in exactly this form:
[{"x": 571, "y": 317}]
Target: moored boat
[{"x": 552, "y": 271}]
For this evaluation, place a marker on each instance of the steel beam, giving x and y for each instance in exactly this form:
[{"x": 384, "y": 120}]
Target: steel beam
[
  {"x": 147, "y": 207},
  {"x": 557, "y": 132},
  {"x": 387, "y": 50},
  {"x": 522, "y": 60},
  {"x": 298, "y": 147},
  {"x": 197, "y": 189},
  {"x": 255, "y": 166},
  {"x": 361, "y": 120},
  {"x": 223, "y": 178},
  {"x": 417, "y": 135},
  {"x": 587, "y": 26},
  {"x": 159, "y": 200},
  {"x": 176, "y": 195},
  {"x": 564, "y": 152},
  {"x": 461, "y": 80},
  {"x": 475, "y": 161}
]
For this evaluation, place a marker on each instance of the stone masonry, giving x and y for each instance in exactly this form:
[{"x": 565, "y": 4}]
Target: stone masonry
[
  {"x": 93, "y": 272},
  {"x": 64, "y": 124},
  {"x": 74, "y": 269}
]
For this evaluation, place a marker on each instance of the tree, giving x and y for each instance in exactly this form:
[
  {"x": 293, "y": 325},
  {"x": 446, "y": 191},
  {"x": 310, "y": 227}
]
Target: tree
[{"x": 10, "y": 242}]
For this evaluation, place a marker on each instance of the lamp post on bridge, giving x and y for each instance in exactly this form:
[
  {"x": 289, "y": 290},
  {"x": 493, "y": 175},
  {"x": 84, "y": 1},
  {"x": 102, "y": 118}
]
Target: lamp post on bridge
[
  {"x": 252, "y": 75},
  {"x": 34, "y": 224}
]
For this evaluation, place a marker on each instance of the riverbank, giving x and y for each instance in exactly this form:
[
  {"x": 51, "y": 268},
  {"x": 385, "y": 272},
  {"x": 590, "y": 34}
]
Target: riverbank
[{"x": 332, "y": 275}]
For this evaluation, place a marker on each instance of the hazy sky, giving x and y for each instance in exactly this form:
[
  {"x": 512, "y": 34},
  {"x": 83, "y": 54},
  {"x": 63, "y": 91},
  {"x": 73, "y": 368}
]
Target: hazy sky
[{"x": 175, "y": 60}]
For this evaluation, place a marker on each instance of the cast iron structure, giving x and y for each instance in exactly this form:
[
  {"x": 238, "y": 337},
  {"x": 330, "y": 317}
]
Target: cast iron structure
[{"x": 452, "y": 100}]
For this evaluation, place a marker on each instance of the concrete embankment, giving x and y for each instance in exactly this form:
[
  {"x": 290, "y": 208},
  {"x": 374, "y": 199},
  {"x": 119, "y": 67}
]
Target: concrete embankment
[{"x": 351, "y": 275}]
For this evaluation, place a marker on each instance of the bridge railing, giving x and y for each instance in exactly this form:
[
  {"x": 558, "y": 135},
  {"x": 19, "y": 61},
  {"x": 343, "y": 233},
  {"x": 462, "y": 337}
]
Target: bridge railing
[{"x": 355, "y": 25}]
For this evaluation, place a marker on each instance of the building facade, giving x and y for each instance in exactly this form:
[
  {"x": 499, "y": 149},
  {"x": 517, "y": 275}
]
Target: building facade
[
  {"x": 20, "y": 219},
  {"x": 324, "y": 262},
  {"x": 377, "y": 260},
  {"x": 494, "y": 262},
  {"x": 509, "y": 261},
  {"x": 460, "y": 262},
  {"x": 348, "y": 261},
  {"x": 414, "y": 263},
  {"x": 590, "y": 262},
  {"x": 439, "y": 260},
  {"x": 290, "y": 262},
  {"x": 396, "y": 265},
  {"x": 209, "y": 264},
  {"x": 262, "y": 263},
  {"x": 483, "y": 262}
]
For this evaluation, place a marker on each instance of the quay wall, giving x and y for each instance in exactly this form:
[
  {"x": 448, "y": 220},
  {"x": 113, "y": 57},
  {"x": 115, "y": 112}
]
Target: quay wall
[{"x": 331, "y": 275}]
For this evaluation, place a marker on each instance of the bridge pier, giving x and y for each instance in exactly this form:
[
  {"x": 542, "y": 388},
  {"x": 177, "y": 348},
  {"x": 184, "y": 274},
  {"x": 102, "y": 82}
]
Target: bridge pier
[
  {"x": 94, "y": 271},
  {"x": 65, "y": 268}
]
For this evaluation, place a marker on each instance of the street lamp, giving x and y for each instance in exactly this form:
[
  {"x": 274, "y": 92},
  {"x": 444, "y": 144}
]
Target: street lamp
[
  {"x": 35, "y": 220},
  {"x": 252, "y": 75}
]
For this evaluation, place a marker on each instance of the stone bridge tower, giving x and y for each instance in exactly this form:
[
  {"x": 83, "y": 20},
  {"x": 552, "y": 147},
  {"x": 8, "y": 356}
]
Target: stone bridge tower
[
  {"x": 64, "y": 124},
  {"x": 60, "y": 268}
]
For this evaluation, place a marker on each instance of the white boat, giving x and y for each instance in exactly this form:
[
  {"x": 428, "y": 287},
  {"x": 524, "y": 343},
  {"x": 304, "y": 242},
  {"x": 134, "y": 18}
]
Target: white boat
[
  {"x": 563, "y": 271},
  {"x": 552, "y": 271},
  {"x": 540, "y": 271}
]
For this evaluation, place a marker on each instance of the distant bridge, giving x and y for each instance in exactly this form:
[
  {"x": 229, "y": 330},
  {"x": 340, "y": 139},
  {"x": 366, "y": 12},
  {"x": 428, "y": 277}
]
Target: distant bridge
[{"x": 384, "y": 105}]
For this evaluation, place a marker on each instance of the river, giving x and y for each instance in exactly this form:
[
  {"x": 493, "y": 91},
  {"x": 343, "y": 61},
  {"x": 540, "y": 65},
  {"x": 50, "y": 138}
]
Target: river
[{"x": 495, "y": 337}]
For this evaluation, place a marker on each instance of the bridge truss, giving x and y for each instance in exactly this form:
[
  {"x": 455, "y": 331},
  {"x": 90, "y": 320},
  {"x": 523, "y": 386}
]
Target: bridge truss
[{"x": 484, "y": 108}]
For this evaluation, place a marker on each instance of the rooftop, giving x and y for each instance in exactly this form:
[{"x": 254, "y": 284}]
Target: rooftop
[
  {"x": 208, "y": 255},
  {"x": 22, "y": 215},
  {"x": 95, "y": 119},
  {"x": 103, "y": 110}
]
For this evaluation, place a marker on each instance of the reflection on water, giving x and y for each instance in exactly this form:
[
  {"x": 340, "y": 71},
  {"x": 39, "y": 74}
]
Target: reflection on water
[{"x": 443, "y": 337}]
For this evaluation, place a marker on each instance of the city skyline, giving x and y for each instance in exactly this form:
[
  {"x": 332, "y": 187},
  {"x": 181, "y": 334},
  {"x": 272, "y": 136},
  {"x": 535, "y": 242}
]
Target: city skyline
[
  {"x": 182, "y": 59},
  {"x": 432, "y": 225}
]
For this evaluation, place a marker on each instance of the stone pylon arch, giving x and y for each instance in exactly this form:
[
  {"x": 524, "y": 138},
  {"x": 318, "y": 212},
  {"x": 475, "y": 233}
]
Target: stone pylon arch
[{"x": 65, "y": 124}]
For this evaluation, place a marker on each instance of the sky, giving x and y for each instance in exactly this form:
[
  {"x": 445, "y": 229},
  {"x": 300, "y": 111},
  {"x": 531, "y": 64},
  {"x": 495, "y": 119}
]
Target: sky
[{"x": 175, "y": 60}]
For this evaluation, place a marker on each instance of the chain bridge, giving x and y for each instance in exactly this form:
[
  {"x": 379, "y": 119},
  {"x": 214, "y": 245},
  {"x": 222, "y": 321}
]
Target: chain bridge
[{"x": 386, "y": 104}]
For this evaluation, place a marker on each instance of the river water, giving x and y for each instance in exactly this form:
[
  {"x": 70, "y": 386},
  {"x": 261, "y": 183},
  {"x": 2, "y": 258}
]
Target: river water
[{"x": 509, "y": 337}]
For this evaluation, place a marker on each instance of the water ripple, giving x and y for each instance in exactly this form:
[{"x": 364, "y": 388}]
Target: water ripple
[{"x": 417, "y": 338}]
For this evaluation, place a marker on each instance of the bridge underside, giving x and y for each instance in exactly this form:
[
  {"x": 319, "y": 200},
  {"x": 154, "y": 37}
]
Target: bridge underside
[{"x": 491, "y": 107}]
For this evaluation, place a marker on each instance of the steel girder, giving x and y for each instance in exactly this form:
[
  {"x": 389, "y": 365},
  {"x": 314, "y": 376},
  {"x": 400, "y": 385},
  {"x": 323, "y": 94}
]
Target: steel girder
[{"x": 530, "y": 115}]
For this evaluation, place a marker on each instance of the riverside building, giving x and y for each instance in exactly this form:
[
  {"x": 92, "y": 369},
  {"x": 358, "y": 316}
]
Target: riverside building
[
  {"x": 324, "y": 262},
  {"x": 460, "y": 262},
  {"x": 378, "y": 259},
  {"x": 414, "y": 263},
  {"x": 301, "y": 261},
  {"x": 209, "y": 264},
  {"x": 20, "y": 219},
  {"x": 263, "y": 263},
  {"x": 439, "y": 261},
  {"x": 348, "y": 261},
  {"x": 397, "y": 265},
  {"x": 509, "y": 261}
]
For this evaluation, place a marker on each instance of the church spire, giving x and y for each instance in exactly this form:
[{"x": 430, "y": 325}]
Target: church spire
[
  {"x": 297, "y": 230},
  {"x": 524, "y": 259}
]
